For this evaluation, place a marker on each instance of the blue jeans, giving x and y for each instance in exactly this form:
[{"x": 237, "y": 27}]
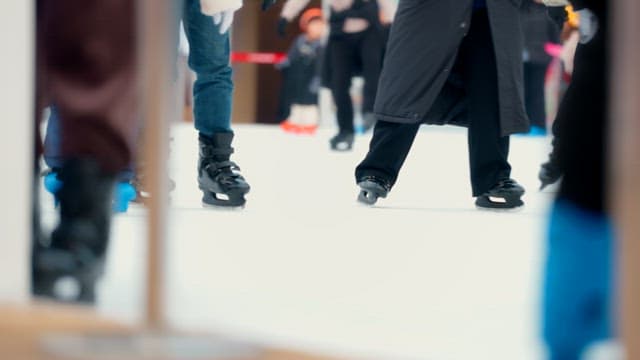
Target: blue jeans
[{"x": 209, "y": 59}]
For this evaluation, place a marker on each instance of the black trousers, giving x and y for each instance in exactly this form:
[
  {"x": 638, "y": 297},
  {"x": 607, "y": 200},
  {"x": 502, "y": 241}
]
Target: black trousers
[
  {"x": 488, "y": 150},
  {"x": 534, "y": 77},
  {"x": 350, "y": 54}
]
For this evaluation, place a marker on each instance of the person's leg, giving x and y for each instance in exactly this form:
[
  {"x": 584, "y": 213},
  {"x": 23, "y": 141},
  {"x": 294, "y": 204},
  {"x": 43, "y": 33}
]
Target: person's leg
[
  {"x": 342, "y": 62},
  {"x": 52, "y": 140},
  {"x": 388, "y": 150},
  {"x": 534, "y": 94},
  {"x": 389, "y": 147},
  {"x": 371, "y": 50},
  {"x": 488, "y": 150},
  {"x": 209, "y": 53},
  {"x": 310, "y": 115},
  {"x": 87, "y": 60},
  {"x": 218, "y": 177},
  {"x": 295, "y": 118}
]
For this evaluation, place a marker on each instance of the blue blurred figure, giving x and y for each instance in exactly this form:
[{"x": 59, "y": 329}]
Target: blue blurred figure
[{"x": 578, "y": 283}]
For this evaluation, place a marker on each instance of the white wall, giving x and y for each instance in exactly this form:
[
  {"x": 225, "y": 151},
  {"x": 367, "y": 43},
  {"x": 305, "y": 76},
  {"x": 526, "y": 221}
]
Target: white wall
[{"x": 16, "y": 83}]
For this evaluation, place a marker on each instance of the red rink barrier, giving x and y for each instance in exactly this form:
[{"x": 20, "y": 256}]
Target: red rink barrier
[{"x": 257, "y": 58}]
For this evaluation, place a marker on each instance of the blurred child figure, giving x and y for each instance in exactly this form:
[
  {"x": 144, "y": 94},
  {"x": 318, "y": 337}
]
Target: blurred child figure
[
  {"x": 355, "y": 46},
  {"x": 301, "y": 72}
]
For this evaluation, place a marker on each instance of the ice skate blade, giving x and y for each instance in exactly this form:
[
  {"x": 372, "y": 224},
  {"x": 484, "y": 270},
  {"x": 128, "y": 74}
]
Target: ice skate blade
[
  {"x": 370, "y": 192},
  {"x": 341, "y": 149},
  {"x": 367, "y": 198},
  {"x": 501, "y": 210},
  {"x": 229, "y": 208},
  {"x": 210, "y": 201},
  {"x": 497, "y": 204}
]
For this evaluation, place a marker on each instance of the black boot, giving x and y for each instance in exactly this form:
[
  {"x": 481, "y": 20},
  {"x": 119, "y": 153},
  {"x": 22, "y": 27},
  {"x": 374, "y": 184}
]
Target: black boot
[
  {"x": 505, "y": 195},
  {"x": 342, "y": 142},
  {"x": 69, "y": 265},
  {"x": 218, "y": 177},
  {"x": 372, "y": 188}
]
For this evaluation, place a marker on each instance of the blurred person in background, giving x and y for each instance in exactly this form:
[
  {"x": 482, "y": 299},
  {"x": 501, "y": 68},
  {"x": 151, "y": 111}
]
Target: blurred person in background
[
  {"x": 301, "y": 72},
  {"x": 86, "y": 65},
  {"x": 451, "y": 63},
  {"x": 356, "y": 45},
  {"x": 578, "y": 282},
  {"x": 539, "y": 32},
  {"x": 206, "y": 26}
]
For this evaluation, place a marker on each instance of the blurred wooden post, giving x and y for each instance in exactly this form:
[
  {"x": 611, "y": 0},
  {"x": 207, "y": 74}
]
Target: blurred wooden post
[
  {"x": 625, "y": 116},
  {"x": 156, "y": 25}
]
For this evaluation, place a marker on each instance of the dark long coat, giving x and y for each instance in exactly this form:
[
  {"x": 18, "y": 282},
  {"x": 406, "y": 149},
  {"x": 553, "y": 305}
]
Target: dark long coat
[{"x": 420, "y": 82}]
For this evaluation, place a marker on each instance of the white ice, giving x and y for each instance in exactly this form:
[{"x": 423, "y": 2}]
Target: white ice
[{"x": 423, "y": 275}]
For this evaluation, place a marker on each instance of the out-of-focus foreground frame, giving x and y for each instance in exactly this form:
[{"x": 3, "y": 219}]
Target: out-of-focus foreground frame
[
  {"x": 625, "y": 160},
  {"x": 156, "y": 21}
]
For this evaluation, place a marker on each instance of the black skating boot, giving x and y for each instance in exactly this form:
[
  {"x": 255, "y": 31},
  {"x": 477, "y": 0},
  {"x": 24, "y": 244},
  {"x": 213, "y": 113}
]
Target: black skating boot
[
  {"x": 218, "y": 177},
  {"x": 342, "y": 142},
  {"x": 372, "y": 188},
  {"x": 68, "y": 266},
  {"x": 505, "y": 195}
]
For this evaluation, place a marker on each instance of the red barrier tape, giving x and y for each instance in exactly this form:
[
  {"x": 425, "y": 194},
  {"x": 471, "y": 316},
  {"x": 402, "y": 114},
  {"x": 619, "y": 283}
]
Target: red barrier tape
[{"x": 257, "y": 58}]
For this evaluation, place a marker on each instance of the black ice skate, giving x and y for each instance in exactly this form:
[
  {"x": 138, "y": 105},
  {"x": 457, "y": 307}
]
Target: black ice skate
[
  {"x": 67, "y": 267},
  {"x": 218, "y": 177},
  {"x": 549, "y": 174},
  {"x": 505, "y": 195},
  {"x": 342, "y": 142},
  {"x": 372, "y": 188}
]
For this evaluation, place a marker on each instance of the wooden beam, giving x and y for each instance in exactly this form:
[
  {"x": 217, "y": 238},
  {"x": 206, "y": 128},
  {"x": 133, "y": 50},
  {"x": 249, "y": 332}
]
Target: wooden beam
[
  {"x": 625, "y": 160},
  {"x": 156, "y": 25}
]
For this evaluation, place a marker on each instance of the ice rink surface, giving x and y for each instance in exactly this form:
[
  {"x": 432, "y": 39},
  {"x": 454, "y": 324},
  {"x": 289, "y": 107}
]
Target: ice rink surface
[{"x": 423, "y": 275}]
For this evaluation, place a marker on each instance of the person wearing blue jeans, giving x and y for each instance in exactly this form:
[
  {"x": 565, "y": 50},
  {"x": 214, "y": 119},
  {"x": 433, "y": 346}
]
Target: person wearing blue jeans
[
  {"x": 213, "y": 91},
  {"x": 206, "y": 25}
]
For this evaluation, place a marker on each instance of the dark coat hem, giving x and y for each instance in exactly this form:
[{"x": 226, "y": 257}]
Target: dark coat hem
[{"x": 507, "y": 131}]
